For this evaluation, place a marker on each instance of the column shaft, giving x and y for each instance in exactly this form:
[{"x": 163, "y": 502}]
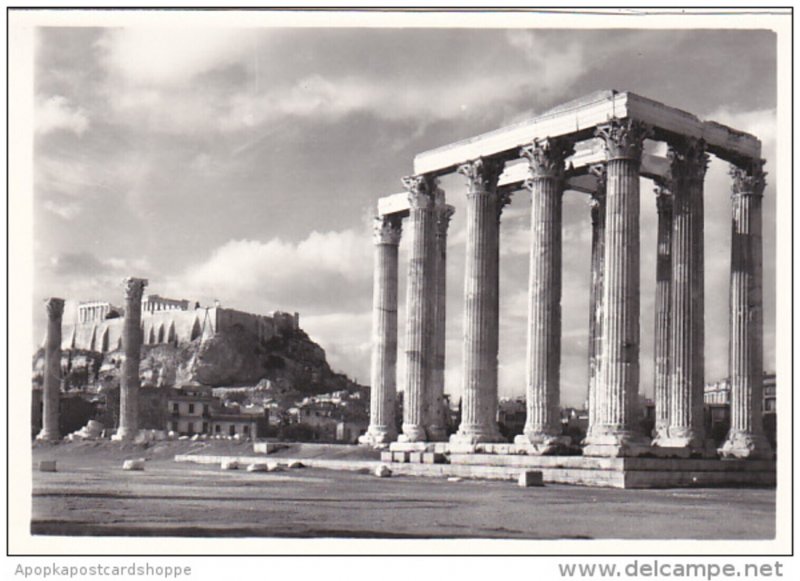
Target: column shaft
[
  {"x": 383, "y": 389},
  {"x": 542, "y": 431},
  {"x": 419, "y": 307},
  {"x": 479, "y": 396},
  {"x": 598, "y": 217},
  {"x": 51, "y": 385},
  {"x": 686, "y": 359},
  {"x": 661, "y": 346},
  {"x": 437, "y": 412},
  {"x": 615, "y": 431},
  {"x": 131, "y": 346},
  {"x": 746, "y": 436}
]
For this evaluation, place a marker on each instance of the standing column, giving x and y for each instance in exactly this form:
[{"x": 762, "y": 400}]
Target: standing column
[
  {"x": 542, "y": 433},
  {"x": 598, "y": 217},
  {"x": 479, "y": 396},
  {"x": 746, "y": 366},
  {"x": 419, "y": 306},
  {"x": 387, "y": 231},
  {"x": 686, "y": 359},
  {"x": 51, "y": 387},
  {"x": 131, "y": 346},
  {"x": 661, "y": 346},
  {"x": 614, "y": 431},
  {"x": 437, "y": 414}
]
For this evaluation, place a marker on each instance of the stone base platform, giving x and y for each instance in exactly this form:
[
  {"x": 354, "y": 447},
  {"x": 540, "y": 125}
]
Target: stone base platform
[{"x": 577, "y": 470}]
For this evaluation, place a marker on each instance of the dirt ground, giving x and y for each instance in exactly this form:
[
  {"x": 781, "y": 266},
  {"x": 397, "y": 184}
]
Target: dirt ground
[{"x": 91, "y": 495}]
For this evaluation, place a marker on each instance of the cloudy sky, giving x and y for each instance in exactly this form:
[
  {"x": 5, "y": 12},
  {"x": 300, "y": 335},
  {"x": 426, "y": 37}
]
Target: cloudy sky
[{"x": 244, "y": 165}]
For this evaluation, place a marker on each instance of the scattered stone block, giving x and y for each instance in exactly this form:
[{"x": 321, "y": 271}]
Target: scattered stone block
[
  {"x": 195, "y": 437},
  {"x": 229, "y": 465},
  {"x": 383, "y": 471},
  {"x": 47, "y": 466},
  {"x": 135, "y": 464},
  {"x": 455, "y": 479},
  {"x": 183, "y": 437},
  {"x": 433, "y": 458},
  {"x": 529, "y": 478},
  {"x": 296, "y": 464},
  {"x": 258, "y": 467},
  {"x": 274, "y": 467}
]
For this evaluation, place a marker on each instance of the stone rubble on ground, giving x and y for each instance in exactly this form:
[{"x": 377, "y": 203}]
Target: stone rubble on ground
[
  {"x": 383, "y": 471},
  {"x": 229, "y": 465},
  {"x": 258, "y": 467},
  {"x": 134, "y": 464}
]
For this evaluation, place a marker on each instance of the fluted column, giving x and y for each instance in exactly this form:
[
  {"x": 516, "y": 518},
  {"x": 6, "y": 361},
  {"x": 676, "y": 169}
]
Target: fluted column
[
  {"x": 479, "y": 395},
  {"x": 437, "y": 419},
  {"x": 422, "y": 191},
  {"x": 542, "y": 433},
  {"x": 383, "y": 390},
  {"x": 615, "y": 430},
  {"x": 597, "y": 203},
  {"x": 688, "y": 161},
  {"x": 131, "y": 347},
  {"x": 51, "y": 386},
  {"x": 661, "y": 345},
  {"x": 746, "y": 365}
]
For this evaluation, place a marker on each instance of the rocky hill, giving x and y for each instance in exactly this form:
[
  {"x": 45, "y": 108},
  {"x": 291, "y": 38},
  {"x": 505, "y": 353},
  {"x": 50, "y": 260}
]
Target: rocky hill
[{"x": 288, "y": 363}]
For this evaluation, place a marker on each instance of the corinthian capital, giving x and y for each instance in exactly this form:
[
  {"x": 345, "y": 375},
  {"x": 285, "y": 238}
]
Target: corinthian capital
[
  {"x": 134, "y": 288},
  {"x": 55, "y": 308},
  {"x": 546, "y": 157},
  {"x": 624, "y": 138},
  {"x": 443, "y": 215},
  {"x": 387, "y": 229},
  {"x": 688, "y": 159},
  {"x": 482, "y": 174},
  {"x": 423, "y": 191},
  {"x": 750, "y": 179}
]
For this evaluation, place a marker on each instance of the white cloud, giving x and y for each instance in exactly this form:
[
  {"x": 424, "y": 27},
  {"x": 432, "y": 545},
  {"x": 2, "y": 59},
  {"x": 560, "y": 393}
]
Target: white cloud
[
  {"x": 58, "y": 114},
  {"x": 322, "y": 273},
  {"x": 171, "y": 56}
]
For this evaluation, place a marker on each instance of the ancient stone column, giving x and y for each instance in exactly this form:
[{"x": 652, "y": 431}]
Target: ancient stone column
[
  {"x": 437, "y": 419},
  {"x": 615, "y": 430},
  {"x": 746, "y": 437},
  {"x": 597, "y": 204},
  {"x": 422, "y": 191},
  {"x": 479, "y": 396},
  {"x": 662, "y": 313},
  {"x": 688, "y": 161},
  {"x": 387, "y": 231},
  {"x": 542, "y": 433},
  {"x": 51, "y": 386},
  {"x": 131, "y": 346}
]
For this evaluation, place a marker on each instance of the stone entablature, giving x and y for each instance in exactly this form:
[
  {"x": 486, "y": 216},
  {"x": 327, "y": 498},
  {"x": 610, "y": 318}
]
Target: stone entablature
[{"x": 175, "y": 326}]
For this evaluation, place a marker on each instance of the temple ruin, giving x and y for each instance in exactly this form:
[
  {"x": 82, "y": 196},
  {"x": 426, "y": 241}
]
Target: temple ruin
[{"x": 594, "y": 145}]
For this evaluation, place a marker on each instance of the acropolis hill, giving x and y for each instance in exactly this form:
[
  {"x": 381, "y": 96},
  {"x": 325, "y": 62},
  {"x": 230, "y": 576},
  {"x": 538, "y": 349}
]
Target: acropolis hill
[{"x": 184, "y": 342}]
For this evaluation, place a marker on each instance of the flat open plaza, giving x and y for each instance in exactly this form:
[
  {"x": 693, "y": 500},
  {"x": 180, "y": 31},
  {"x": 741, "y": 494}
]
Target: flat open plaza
[{"x": 91, "y": 495}]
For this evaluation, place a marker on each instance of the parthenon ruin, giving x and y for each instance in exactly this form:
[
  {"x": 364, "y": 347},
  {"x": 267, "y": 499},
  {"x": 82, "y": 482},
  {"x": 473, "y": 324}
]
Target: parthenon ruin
[{"x": 594, "y": 145}]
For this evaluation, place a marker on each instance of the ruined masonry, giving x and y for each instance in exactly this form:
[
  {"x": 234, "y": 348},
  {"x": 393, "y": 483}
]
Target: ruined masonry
[{"x": 594, "y": 146}]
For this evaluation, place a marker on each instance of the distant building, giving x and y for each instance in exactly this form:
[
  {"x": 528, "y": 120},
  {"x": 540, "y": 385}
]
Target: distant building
[
  {"x": 193, "y": 409},
  {"x": 719, "y": 393}
]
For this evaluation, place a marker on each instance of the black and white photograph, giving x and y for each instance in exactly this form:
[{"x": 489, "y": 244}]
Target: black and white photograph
[{"x": 400, "y": 282}]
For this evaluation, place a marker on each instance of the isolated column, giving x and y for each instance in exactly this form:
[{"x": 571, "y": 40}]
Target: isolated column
[
  {"x": 419, "y": 306},
  {"x": 51, "y": 387},
  {"x": 542, "y": 431},
  {"x": 689, "y": 161},
  {"x": 387, "y": 231},
  {"x": 614, "y": 432},
  {"x": 661, "y": 346},
  {"x": 437, "y": 419},
  {"x": 131, "y": 346},
  {"x": 479, "y": 395},
  {"x": 746, "y": 437},
  {"x": 597, "y": 203}
]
